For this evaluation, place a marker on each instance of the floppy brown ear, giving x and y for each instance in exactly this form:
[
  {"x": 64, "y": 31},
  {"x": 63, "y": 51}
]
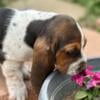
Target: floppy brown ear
[
  {"x": 42, "y": 63},
  {"x": 54, "y": 46}
]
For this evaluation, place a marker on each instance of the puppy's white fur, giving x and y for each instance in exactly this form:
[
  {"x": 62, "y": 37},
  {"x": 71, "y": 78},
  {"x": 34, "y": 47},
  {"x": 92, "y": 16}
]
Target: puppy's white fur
[
  {"x": 75, "y": 65},
  {"x": 14, "y": 44},
  {"x": 17, "y": 51},
  {"x": 14, "y": 79}
]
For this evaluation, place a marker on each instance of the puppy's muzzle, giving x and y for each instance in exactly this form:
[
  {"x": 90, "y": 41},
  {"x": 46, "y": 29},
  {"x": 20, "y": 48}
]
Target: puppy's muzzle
[{"x": 82, "y": 66}]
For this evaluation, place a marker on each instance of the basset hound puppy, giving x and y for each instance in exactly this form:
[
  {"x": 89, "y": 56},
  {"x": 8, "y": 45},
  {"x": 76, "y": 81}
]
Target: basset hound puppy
[{"x": 55, "y": 41}]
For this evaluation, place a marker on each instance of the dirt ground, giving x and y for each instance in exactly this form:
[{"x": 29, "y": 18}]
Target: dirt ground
[
  {"x": 59, "y": 6},
  {"x": 92, "y": 48}
]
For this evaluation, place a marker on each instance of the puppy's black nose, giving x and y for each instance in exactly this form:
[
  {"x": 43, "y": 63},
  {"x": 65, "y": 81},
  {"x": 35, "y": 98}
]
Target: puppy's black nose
[{"x": 82, "y": 66}]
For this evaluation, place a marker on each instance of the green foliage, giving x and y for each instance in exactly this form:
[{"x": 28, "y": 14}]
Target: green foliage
[
  {"x": 2, "y": 3},
  {"x": 92, "y": 13},
  {"x": 92, "y": 6},
  {"x": 92, "y": 94},
  {"x": 80, "y": 95},
  {"x": 82, "y": 2}
]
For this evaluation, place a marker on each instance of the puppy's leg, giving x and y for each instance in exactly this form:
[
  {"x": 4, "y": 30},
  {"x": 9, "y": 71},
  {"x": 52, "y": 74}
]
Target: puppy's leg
[
  {"x": 26, "y": 70},
  {"x": 14, "y": 80}
]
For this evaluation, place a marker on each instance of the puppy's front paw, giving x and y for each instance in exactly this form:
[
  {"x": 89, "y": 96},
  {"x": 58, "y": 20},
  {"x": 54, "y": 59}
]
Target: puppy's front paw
[
  {"x": 18, "y": 92},
  {"x": 14, "y": 80}
]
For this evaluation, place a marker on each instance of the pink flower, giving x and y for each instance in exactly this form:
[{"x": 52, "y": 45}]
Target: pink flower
[
  {"x": 92, "y": 82},
  {"x": 89, "y": 67},
  {"x": 89, "y": 73},
  {"x": 96, "y": 76},
  {"x": 95, "y": 81},
  {"x": 78, "y": 79}
]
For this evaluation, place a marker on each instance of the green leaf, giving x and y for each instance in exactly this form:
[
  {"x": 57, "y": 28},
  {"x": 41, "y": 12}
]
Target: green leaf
[
  {"x": 90, "y": 96},
  {"x": 96, "y": 91},
  {"x": 80, "y": 95}
]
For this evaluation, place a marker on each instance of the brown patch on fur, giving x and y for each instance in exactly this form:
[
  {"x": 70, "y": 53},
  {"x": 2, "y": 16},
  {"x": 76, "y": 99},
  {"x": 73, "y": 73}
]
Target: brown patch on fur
[
  {"x": 64, "y": 56},
  {"x": 42, "y": 64},
  {"x": 71, "y": 46},
  {"x": 54, "y": 47},
  {"x": 63, "y": 30}
]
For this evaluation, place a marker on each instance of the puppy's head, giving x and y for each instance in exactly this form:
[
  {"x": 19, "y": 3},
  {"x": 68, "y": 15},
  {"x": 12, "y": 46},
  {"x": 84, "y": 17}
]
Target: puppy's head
[{"x": 68, "y": 43}]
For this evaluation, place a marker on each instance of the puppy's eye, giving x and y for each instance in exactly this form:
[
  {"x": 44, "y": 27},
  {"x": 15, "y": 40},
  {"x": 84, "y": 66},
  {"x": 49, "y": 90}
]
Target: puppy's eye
[{"x": 73, "y": 53}]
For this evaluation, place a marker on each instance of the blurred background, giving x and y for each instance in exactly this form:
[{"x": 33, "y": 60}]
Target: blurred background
[{"x": 87, "y": 12}]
